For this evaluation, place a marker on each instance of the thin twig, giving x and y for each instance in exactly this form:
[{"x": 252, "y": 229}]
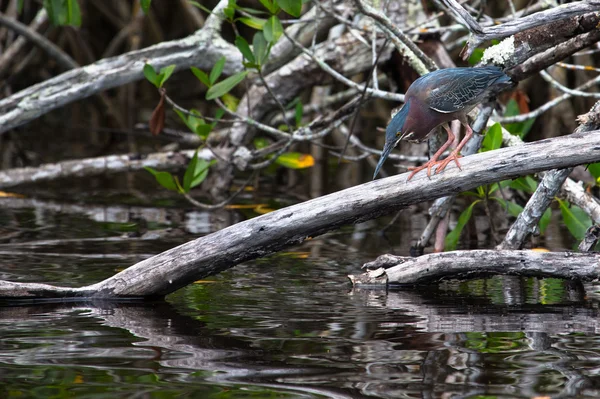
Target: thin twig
[
  {"x": 417, "y": 59},
  {"x": 341, "y": 78},
  {"x": 538, "y": 111},
  {"x": 577, "y": 93},
  {"x": 281, "y": 107}
]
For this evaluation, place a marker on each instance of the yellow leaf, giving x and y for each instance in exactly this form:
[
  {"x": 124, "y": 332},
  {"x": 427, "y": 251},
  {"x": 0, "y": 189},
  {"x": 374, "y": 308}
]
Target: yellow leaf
[
  {"x": 296, "y": 254},
  {"x": 306, "y": 161},
  {"x": 244, "y": 206},
  {"x": 295, "y": 160},
  {"x": 262, "y": 209},
  {"x": 12, "y": 195}
]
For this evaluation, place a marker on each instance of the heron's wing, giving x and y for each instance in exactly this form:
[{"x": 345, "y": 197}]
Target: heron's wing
[{"x": 461, "y": 88}]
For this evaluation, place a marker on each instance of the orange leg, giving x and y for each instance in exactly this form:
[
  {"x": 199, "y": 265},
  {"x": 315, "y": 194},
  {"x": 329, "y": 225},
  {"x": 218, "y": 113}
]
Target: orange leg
[
  {"x": 454, "y": 154},
  {"x": 434, "y": 159}
]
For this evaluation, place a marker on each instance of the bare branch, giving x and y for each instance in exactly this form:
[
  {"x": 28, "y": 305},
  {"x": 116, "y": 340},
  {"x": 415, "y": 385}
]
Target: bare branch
[
  {"x": 509, "y": 28},
  {"x": 201, "y": 49},
  {"x": 97, "y": 166},
  {"x": 478, "y": 263}
]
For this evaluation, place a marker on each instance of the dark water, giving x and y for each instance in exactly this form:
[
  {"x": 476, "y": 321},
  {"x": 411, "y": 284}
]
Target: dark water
[{"x": 286, "y": 326}]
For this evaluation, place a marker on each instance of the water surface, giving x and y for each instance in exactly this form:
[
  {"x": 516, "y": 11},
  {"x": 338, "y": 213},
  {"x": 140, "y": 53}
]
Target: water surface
[{"x": 289, "y": 325}]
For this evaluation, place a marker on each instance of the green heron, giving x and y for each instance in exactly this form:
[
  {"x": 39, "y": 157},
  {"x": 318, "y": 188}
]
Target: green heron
[{"x": 438, "y": 98}]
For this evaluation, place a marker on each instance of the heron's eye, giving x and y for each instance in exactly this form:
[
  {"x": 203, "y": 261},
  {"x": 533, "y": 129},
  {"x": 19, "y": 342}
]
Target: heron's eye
[{"x": 398, "y": 134}]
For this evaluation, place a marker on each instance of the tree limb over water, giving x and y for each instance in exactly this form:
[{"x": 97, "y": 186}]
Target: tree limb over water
[{"x": 266, "y": 234}]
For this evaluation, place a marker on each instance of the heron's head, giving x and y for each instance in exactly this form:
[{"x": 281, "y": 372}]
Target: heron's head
[{"x": 393, "y": 134}]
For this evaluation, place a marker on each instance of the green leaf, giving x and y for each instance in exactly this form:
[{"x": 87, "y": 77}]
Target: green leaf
[
  {"x": 295, "y": 160},
  {"x": 189, "y": 173},
  {"x": 229, "y": 12},
  {"x": 201, "y": 171},
  {"x": 299, "y": 111},
  {"x": 63, "y": 12},
  {"x": 273, "y": 29},
  {"x": 203, "y": 130},
  {"x": 452, "y": 238},
  {"x": 196, "y": 172},
  {"x": 200, "y": 6},
  {"x": 165, "y": 179},
  {"x": 191, "y": 121},
  {"x": 244, "y": 48},
  {"x": 20, "y": 4},
  {"x": 594, "y": 169},
  {"x": 201, "y": 75},
  {"x": 521, "y": 128},
  {"x": 260, "y": 143},
  {"x": 261, "y": 48},
  {"x": 476, "y": 57},
  {"x": 216, "y": 70},
  {"x": 218, "y": 115},
  {"x": 253, "y": 22},
  {"x": 250, "y": 10},
  {"x": 151, "y": 75},
  {"x": 525, "y": 183},
  {"x": 512, "y": 208},
  {"x": 493, "y": 138},
  {"x": 165, "y": 74},
  {"x": 73, "y": 13},
  {"x": 225, "y": 86},
  {"x": 545, "y": 220},
  {"x": 494, "y": 187},
  {"x": 269, "y": 5},
  {"x": 575, "y": 218},
  {"x": 55, "y": 10},
  {"x": 145, "y": 6},
  {"x": 292, "y": 7}
]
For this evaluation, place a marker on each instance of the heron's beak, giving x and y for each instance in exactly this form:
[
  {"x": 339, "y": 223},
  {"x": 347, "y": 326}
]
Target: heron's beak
[{"x": 387, "y": 148}]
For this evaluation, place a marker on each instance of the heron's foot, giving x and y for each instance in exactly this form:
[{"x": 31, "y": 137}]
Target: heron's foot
[
  {"x": 439, "y": 165},
  {"x": 452, "y": 157},
  {"x": 427, "y": 165}
]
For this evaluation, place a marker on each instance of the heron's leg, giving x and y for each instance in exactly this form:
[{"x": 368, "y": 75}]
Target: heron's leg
[
  {"x": 454, "y": 155},
  {"x": 434, "y": 159}
]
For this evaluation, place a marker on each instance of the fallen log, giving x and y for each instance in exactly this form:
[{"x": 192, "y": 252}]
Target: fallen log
[
  {"x": 433, "y": 268},
  {"x": 266, "y": 234}
]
